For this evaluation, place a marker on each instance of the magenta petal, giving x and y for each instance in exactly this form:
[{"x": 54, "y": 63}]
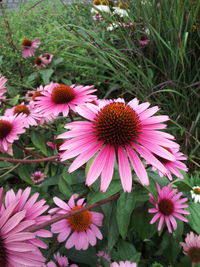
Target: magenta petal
[{"x": 124, "y": 170}]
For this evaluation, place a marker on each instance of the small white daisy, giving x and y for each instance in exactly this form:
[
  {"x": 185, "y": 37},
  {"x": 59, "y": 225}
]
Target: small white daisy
[{"x": 195, "y": 193}]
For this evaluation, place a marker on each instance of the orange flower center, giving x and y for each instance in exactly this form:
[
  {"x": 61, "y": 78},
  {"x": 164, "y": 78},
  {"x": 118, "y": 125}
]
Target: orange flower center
[
  {"x": 62, "y": 94},
  {"x": 36, "y": 94},
  {"x": 194, "y": 254},
  {"x": 26, "y": 42},
  {"x": 5, "y": 128},
  {"x": 81, "y": 221},
  {"x": 97, "y": 2},
  {"x": 166, "y": 207},
  {"x": 117, "y": 124},
  {"x": 123, "y": 5},
  {"x": 3, "y": 254},
  {"x": 38, "y": 61},
  {"x": 196, "y": 191},
  {"x": 37, "y": 177},
  {"x": 21, "y": 109}
]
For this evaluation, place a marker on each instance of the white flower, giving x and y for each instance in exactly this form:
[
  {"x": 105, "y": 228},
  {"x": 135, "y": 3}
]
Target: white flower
[
  {"x": 195, "y": 193},
  {"x": 112, "y": 26},
  {"x": 101, "y": 8},
  {"x": 120, "y": 12}
]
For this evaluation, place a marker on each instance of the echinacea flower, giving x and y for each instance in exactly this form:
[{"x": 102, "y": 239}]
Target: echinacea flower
[
  {"x": 144, "y": 42},
  {"x": 120, "y": 130},
  {"x": 168, "y": 206},
  {"x": 104, "y": 255},
  {"x": 15, "y": 247},
  {"x": 172, "y": 166},
  {"x": 28, "y": 110},
  {"x": 34, "y": 211},
  {"x": 97, "y": 17},
  {"x": 123, "y": 264},
  {"x": 29, "y": 47},
  {"x": 61, "y": 261},
  {"x": 80, "y": 229},
  {"x": 46, "y": 58},
  {"x": 60, "y": 98},
  {"x": 39, "y": 64},
  {"x": 195, "y": 193},
  {"x": 10, "y": 127},
  {"x": 100, "y": 8},
  {"x": 38, "y": 176},
  {"x": 3, "y": 81},
  {"x": 191, "y": 247},
  {"x": 120, "y": 12}
]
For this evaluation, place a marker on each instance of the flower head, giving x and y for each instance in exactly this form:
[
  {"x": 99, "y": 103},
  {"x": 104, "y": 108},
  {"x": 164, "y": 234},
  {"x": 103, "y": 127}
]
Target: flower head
[
  {"x": 172, "y": 166},
  {"x": 39, "y": 64},
  {"x": 28, "y": 110},
  {"x": 100, "y": 8},
  {"x": 46, "y": 58},
  {"x": 191, "y": 247},
  {"x": 120, "y": 12},
  {"x": 29, "y": 47},
  {"x": 34, "y": 210},
  {"x": 120, "y": 130},
  {"x": 10, "y": 127},
  {"x": 80, "y": 229},
  {"x": 61, "y": 261},
  {"x": 195, "y": 193},
  {"x": 104, "y": 255},
  {"x": 59, "y": 98},
  {"x": 38, "y": 176},
  {"x": 16, "y": 247},
  {"x": 3, "y": 81},
  {"x": 123, "y": 264},
  {"x": 168, "y": 206}
]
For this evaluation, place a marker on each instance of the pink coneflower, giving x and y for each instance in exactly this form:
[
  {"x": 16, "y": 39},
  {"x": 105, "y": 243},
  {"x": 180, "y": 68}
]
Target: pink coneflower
[
  {"x": 81, "y": 229},
  {"x": 123, "y": 264},
  {"x": 61, "y": 261},
  {"x": 144, "y": 42},
  {"x": 191, "y": 247},
  {"x": 59, "y": 98},
  {"x": 3, "y": 81},
  {"x": 34, "y": 210},
  {"x": 15, "y": 248},
  {"x": 9, "y": 150},
  {"x": 97, "y": 17},
  {"x": 31, "y": 116},
  {"x": 46, "y": 58},
  {"x": 121, "y": 130},
  {"x": 39, "y": 64},
  {"x": 10, "y": 127},
  {"x": 29, "y": 47},
  {"x": 38, "y": 176},
  {"x": 104, "y": 255},
  {"x": 167, "y": 206},
  {"x": 173, "y": 166}
]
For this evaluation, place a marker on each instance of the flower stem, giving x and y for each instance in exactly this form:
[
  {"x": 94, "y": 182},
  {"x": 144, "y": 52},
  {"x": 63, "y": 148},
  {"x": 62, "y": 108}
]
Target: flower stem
[
  {"x": 29, "y": 160},
  {"x": 71, "y": 213}
]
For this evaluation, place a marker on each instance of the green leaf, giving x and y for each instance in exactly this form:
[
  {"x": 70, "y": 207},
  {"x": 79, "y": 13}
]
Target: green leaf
[
  {"x": 39, "y": 142},
  {"x": 126, "y": 250},
  {"x": 64, "y": 187},
  {"x": 82, "y": 256},
  {"x": 24, "y": 173},
  {"x": 125, "y": 206},
  {"x": 194, "y": 217},
  {"x": 57, "y": 61},
  {"x": 1, "y": 60},
  {"x": 140, "y": 222},
  {"x": 14, "y": 100},
  {"x": 94, "y": 197},
  {"x": 113, "y": 231},
  {"x": 46, "y": 75}
]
